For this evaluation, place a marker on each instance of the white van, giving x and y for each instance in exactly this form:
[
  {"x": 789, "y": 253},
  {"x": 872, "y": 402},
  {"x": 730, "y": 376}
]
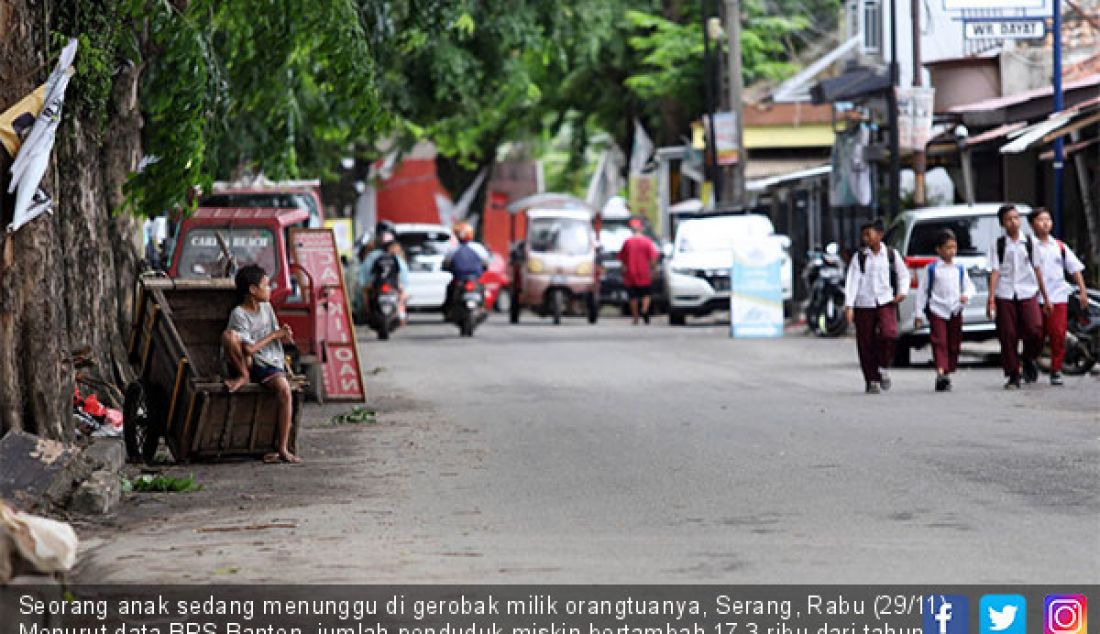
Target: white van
[{"x": 913, "y": 233}]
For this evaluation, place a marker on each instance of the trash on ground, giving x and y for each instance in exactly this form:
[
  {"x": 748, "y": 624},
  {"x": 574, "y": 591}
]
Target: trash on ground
[
  {"x": 162, "y": 483},
  {"x": 47, "y": 545},
  {"x": 357, "y": 416}
]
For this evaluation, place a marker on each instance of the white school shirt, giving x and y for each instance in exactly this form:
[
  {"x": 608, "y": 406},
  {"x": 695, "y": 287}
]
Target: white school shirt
[
  {"x": 1048, "y": 255},
  {"x": 1018, "y": 279},
  {"x": 871, "y": 288},
  {"x": 946, "y": 294}
]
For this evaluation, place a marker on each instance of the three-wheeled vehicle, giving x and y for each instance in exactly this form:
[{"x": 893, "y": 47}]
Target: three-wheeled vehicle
[
  {"x": 179, "y": 391},
  {"x": 555, "y": 268},
  {"x": 209, "y": 238}
]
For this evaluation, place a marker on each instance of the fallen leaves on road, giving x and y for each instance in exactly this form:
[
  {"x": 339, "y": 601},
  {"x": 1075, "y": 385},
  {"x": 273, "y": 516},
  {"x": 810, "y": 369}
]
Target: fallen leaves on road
[{"x": 357, "y": 416}]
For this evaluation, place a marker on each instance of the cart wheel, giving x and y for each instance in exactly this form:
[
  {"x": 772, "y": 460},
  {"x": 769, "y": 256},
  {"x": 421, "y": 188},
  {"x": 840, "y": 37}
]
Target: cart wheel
[{"x": 142, "y": 422}]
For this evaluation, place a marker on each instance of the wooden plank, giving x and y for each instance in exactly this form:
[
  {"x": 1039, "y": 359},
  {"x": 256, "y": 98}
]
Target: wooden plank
[{"x": 254, "y": 424}]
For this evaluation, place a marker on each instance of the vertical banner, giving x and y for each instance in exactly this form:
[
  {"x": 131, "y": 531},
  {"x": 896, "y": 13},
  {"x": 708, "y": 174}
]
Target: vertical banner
[
  {"x": 315, "y": 251},
  {"x": 643, "y": 197},
  {"x": 756, "y": 288},
  {"x": 725, "y": 133},
  {"x": 914, "y": 117}
]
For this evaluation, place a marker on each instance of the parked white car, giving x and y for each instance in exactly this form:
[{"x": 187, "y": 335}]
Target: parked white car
[
  {"x": 913, "y": 234},
  {"x": 698, "y": 271}
]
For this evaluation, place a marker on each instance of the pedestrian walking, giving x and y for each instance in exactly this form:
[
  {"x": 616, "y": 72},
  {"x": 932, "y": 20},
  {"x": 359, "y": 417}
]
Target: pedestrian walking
[
  {"x": 1058, "y": 265},
  {"x": 877, "y": 280},
  {"x": 1016, "y": 285},
  {"x": 944, "y": 291},
  {"x": 638, "y": 256}
]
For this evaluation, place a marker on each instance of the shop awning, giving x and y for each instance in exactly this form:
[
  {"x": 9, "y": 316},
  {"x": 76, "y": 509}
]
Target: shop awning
[{"x": 854, "y": 85}]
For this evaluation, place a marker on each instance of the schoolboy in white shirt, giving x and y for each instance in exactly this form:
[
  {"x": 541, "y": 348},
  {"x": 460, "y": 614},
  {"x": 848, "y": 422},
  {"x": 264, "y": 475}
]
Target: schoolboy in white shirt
[
  {"x": 944, "y": 291},
  {"x": 1056, "y": 261},
  {"x": 1016, "y": 285},
  {"x": 877, "y": 281}
]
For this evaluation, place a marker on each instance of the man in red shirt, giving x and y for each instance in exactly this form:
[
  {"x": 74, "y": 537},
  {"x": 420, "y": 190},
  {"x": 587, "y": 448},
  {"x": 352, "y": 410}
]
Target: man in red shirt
[{"x": 638, "y": 256}]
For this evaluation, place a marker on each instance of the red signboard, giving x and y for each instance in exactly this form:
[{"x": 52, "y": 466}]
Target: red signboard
[{"x": 315, "y": 251}]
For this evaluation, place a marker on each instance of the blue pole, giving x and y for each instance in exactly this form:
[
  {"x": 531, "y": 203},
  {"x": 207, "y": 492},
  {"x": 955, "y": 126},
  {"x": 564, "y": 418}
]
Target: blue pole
[{"x": 1059, "y": 149}]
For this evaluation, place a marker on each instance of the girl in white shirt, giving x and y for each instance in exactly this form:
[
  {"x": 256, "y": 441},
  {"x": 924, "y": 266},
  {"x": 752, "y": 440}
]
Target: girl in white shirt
[{"x": 944, "y": 290}]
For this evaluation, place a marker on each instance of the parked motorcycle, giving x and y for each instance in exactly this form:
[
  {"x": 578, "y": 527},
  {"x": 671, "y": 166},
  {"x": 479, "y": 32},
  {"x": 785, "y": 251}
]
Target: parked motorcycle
[
  {"x": 824, "y": 279},
  {"x": 383, "y": 315},
  {"x": 467, "y": 306},
  {"x": 1082, "y": 334}
]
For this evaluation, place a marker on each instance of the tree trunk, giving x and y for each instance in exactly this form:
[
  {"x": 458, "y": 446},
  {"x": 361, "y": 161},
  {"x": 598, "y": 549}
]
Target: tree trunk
[{"x": 61, "y": 287}]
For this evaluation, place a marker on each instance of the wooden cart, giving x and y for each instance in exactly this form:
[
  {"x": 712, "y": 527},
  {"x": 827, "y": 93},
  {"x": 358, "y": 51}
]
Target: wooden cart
[{"x": 175, "y": 351}]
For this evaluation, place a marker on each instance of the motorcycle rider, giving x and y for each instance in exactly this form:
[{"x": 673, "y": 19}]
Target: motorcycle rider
[
  {"x": 466, "y": 262},
  {"x": 384, "y": 244}
]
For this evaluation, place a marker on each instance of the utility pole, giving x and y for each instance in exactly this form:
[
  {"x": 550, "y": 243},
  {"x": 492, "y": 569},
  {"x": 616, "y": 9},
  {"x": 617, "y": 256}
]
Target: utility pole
[
  {"x": 892, "y": 104},
  {"x": 735, "y": 181},
  {"x": 710, "y": 168},
  {"x": 919, "y": 158},
  {"x": 1059, "y": 148}
]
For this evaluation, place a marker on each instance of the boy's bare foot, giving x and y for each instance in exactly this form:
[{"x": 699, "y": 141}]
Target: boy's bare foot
[
  {"x": 291, "y": 458},
  {"x": 235, "y": 384},
  {"x": 279, "y": 456}
]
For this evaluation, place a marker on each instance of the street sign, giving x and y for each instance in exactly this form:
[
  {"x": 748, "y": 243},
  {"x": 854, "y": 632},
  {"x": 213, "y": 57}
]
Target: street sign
[{"x": 1005, "y": 30}]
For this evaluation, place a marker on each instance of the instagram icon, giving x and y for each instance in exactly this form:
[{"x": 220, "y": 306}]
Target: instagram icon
[{"x": 1065, "y": 614}]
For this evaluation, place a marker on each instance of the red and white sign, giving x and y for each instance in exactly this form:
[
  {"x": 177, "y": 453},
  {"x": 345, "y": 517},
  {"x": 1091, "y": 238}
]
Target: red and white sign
[{"x": 315, "y": 251}]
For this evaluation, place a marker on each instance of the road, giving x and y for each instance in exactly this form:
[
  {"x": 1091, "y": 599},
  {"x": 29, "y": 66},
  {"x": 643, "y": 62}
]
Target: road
[{"x": 615, "y": 453}]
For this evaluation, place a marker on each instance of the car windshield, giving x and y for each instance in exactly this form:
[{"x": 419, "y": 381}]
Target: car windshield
[
  {"x": 974, "y": 234},
  {"x": 268, "y": 200},
  {"x": 202, "y": 255},
  {"x": 420, "y": 243},
  {"x": 719, "y": 234},
  {"x": 567, "y": 236}
]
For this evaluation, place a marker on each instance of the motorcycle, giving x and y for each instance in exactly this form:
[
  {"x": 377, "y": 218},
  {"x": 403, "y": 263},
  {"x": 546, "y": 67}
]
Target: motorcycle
[
  {"x": 383, "y": 315},
  {"x": 824, "y": 279},
  {"x": 467, "y": 306},
  {"x": 1082, "y": 335}
]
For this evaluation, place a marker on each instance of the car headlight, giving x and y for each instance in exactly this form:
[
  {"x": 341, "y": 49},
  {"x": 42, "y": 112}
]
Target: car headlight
[
  {"x": 584, "y": 268},
  {"x": 535, "y": 265}
]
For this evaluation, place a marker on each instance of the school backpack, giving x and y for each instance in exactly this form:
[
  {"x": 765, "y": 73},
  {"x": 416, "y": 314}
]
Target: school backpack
[
  {"x": 1001, "y": 242},
  {"x": 932, "y": 282},
  {"x": 861, "y": 257}
]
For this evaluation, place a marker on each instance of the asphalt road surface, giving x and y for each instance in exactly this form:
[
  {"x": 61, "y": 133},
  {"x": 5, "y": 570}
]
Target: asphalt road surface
[{"x": 615, "y": 453}]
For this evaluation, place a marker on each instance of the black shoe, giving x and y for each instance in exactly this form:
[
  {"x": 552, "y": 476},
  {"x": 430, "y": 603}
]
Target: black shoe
[
  {"x": 645, "y": 318},
  {"x": 872, "y": 388},
  {"x": 1056, "y": 378},
  {"x": 884, "y": 380},
  {"x": 1031, "y": 371},
  {"x": 943, "y": 384},
  {"x": 1013, "y": 382}
]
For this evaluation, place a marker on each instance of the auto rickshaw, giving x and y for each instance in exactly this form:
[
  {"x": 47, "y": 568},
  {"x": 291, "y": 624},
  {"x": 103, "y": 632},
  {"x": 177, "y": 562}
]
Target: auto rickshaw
[{"x": 555, "y": 266}]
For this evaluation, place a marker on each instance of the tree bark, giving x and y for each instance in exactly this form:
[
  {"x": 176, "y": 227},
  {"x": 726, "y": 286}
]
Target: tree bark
[{"x": 63, "y": 285}]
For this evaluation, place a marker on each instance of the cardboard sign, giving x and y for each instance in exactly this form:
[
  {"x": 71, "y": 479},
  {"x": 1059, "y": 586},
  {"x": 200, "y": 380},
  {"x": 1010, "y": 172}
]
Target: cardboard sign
[
  {"x": 756, "y": 288},
  {"x": 315, "y": 251}
]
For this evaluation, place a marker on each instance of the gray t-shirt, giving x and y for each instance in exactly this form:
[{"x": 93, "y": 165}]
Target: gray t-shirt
[{"x": 253, "y": 327}]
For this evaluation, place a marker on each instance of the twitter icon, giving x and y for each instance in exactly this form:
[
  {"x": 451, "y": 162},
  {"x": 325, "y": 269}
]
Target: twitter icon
[{"x": 1003, "y": 614}]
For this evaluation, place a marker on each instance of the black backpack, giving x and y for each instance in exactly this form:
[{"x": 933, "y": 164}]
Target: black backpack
[
  {"x": 861, "y": 257},
  {"x": 931, "y": 282},
  {"x": 1001, "y": 242}
]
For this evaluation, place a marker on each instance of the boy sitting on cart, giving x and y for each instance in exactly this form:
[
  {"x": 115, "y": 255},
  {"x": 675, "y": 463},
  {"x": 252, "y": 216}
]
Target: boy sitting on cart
[{"x": 253, "y": 343}]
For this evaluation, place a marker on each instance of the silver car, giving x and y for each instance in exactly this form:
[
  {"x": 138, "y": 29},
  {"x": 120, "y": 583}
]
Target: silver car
[{"x": 913, "y": 234}]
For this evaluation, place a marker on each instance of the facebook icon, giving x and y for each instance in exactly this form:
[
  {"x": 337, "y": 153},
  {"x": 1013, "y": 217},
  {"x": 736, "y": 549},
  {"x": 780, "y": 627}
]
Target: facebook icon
[{"x": 945, "y": 614}]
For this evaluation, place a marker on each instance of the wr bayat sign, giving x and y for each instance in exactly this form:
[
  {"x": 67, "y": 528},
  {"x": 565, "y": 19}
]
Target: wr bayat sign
[{"x": 1020, "y": 29}]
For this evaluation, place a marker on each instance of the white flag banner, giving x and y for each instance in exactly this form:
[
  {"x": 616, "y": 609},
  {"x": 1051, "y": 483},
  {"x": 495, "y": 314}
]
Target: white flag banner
[
  {"x": 642, "y": 151},
  {"x": 34, "y": 154}
]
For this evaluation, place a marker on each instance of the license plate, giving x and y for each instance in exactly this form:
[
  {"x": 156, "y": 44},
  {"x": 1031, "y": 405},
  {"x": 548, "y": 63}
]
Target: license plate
[{"x": 472, "y": 297}]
